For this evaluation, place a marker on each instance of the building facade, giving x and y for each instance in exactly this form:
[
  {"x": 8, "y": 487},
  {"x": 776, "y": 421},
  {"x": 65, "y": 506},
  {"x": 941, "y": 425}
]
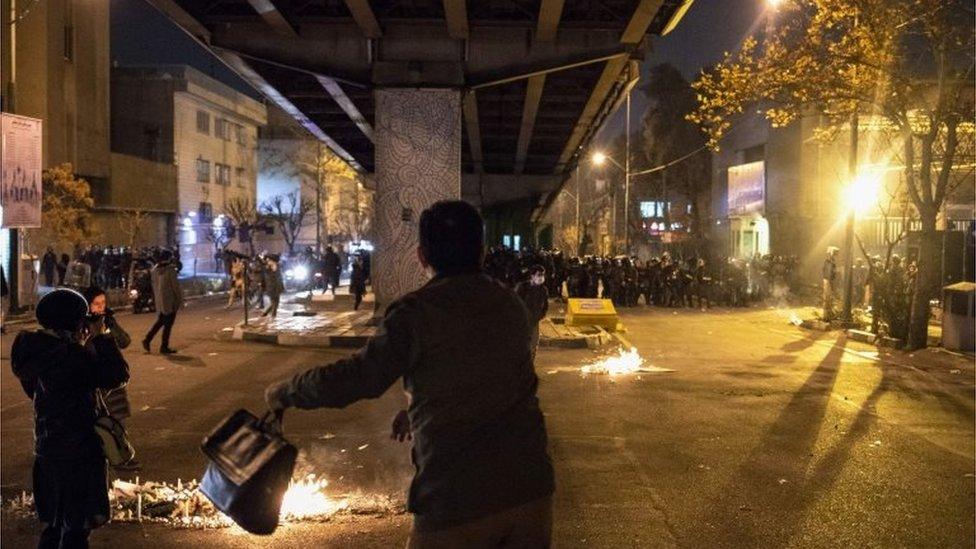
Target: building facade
[
  {"x": 336, "y": 203},
  {"x": 785, "y": 191},
  {"x": 208, "y": 132}
]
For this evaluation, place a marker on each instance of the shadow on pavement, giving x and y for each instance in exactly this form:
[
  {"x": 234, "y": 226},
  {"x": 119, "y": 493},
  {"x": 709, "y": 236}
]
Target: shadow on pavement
[
  {"x": 765, "y": 498},
  {"x": 188, "y": 361}
]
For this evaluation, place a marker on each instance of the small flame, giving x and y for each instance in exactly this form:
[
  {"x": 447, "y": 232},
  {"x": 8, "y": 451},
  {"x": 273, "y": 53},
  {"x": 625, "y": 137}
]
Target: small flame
[
  {"x": 306, "y": 498},
  {"x": 624, "y": 362}
]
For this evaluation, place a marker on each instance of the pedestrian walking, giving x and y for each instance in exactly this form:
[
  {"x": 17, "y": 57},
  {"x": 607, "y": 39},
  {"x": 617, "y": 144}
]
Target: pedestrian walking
[
  {"x": 461, "y": 345},
  {"x": 49, "y": 266},
  {"x": 828, "y": 274},
  {"x": 60, "y": 368},
  {"x": 535, "y": 297},
  {"x": 274, "y": 285},
  {"x": 332, "y": 268},
  {"x": 168, "y": 298},
  {"x": 357, "y": 281}
]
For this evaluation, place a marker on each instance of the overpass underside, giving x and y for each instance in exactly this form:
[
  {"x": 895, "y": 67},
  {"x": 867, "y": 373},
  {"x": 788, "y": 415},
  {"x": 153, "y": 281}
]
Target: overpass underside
[{"x": 489, "y": 100}]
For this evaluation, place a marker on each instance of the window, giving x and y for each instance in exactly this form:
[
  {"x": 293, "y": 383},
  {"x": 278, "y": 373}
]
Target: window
[
  {"x": 222, "y": 129},
  {"x": 241, "y": 176},
  {"x": 223, "y": 174},
  {"x": 653, "y": 208},
  {"x": 240, "y": 134},
  {"x": 203, "y": 122},
  {"x": 203, "y": 170},
  {"x": 69, "y": 43}
]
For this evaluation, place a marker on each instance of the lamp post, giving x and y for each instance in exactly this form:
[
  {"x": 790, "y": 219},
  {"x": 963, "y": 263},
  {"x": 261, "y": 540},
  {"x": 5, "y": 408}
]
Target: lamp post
[{"x": 599, "y": 159}]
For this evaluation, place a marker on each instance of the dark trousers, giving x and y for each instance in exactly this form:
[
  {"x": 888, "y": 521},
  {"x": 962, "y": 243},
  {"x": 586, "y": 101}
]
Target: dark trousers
[
  {"x": 273, "y": 308},
  {"x": 53, "y": 537},
  {"x": 165, "y": 321},
  {"x": 359, "y": 300}
]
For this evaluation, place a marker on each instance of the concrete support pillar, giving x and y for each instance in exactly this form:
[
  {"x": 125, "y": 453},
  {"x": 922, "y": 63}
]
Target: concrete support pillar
[{"x": 418, "y": 163}]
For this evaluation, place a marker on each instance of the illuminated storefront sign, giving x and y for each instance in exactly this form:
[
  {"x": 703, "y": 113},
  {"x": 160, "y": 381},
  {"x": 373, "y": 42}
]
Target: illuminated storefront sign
[{"x": 747, "y": 188}]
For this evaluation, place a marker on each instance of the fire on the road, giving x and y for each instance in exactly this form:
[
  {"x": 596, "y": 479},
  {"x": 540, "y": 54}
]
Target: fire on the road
[
  {"x": 306, "y": 498},
  {"x": 624, "y": 362}
]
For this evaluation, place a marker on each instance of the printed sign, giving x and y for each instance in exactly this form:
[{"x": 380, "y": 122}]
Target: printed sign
[
  {"x": 20, "y": 180},
  {"x": 747, "y": 188}
]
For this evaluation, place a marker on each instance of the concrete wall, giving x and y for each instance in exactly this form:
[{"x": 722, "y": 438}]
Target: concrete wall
[{"x": 69, "y": 93}]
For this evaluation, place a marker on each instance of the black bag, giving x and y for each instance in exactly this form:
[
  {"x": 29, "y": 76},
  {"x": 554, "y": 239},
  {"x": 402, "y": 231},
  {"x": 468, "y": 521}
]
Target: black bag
[{"x": 250, "y": 466}]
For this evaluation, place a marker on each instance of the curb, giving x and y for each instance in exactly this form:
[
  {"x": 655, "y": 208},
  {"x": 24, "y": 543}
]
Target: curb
[{"x": 124, "y": 308}]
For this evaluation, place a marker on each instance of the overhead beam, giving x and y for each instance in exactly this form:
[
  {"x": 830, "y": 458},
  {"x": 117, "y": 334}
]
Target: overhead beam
[
  {"x": 242, "y": 68},
  {"x": 273, "y": 17},
  {"x": 470, "y": 109},
  {"x": 346, "y": 104},
  {"x": 363, "y": 14},
  {"x": 533, "y": 94},
  {"x": 456, "y": 13},
  {"x": 609, "y": 77},
  {"x": 640, "y": 21},
  {"x": 633, "y": 34},
  {"x": 550, "y": 12},
  {"x": 544, "y": 66}
]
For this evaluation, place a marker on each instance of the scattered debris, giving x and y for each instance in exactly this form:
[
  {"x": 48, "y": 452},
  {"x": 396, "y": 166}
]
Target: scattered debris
[
  {"x": 783, "y": 481},
  {"x": 876, "y": 443},
  {"x": 327, "y": 436},
  {"x": 955, "y": 371},
  {"x": 211, "y": 354},
  {"x": 228, "y": 329},
  {"x": 550, "y": 372},
  {"x": 363, "y": 447}
]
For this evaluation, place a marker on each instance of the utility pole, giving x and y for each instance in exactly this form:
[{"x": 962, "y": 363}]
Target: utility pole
[
  {"x": 13, "y": 265},
  {"x": 627, "y": 182},
  {"x": 318, "y": 198},
  {"x": 579, "y": 231},
  {"x": 849, "y": 228}
]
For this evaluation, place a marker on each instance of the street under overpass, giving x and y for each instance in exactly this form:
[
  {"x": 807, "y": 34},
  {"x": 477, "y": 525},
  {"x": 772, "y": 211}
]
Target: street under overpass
[{"x": 489, "y": 100}]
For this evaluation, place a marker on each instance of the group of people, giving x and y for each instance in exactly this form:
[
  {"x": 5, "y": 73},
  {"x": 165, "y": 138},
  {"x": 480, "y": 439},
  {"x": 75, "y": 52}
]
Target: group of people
[
  {"x": 663, "y": 281},
  {"x": 879, "y": 286},
  {"x": 106, "y": 266},
  {"x": 263, "y": 277}
]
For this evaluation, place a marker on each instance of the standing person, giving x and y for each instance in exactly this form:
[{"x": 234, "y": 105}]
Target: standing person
[
  {"x": 101, "y": 320},
  {"x": 274, "y": 285},
  {"x": 49, "y": 265},
  {"x": 236, "y": 282},
  {"x": 535, "y": 296},
  {"x": 63, "y": 268},
  {"x": 331, "y": 268},
  {"x": 4, "y": 299},
  {"x": 168, "y": 298},
  {"x": 357, "y": 280},
  {"x": 60, "y": 368},
  {"x": 828, "y": 274},
  {"x": 461, "y": 343}
]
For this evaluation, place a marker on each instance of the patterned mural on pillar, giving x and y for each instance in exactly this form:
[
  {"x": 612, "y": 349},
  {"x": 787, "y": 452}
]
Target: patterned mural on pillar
[{"x": 418, "y": 162}]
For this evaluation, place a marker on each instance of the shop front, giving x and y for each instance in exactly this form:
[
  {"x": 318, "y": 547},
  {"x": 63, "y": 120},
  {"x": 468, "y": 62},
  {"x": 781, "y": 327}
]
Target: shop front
[{"x": 748, "y": 226}]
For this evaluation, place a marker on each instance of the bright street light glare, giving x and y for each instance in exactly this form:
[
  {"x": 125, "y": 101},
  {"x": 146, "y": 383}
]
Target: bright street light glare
[
  {"x": 599, "y": 158},
  {"x": 862, "y": 194},
  {"x": 774, "y": 4}
]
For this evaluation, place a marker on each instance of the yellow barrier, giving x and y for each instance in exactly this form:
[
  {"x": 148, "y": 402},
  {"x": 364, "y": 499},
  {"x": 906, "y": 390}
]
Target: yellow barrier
[{"x": 591, "y": 312}]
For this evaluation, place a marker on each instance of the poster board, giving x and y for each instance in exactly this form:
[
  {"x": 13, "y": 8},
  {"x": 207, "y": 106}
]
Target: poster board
[{"x": 20, "y": 179}]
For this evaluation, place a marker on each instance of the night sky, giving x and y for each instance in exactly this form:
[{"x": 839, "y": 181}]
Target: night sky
[{"x": 143, "y": 36}]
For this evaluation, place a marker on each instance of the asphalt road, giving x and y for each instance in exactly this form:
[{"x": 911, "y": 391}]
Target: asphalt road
[{"x": 764, "y": 435}]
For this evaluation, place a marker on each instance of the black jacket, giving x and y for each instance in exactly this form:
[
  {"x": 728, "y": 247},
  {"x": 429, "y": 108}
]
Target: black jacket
[
  {"x": 535, "y": 298},
  {"x": 61, "y": 377},
  {"x": 462, "y": 346}
]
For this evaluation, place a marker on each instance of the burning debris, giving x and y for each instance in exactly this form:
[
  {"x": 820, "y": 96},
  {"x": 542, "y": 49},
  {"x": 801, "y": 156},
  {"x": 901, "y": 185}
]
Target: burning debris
[
  {"x": 182, "y": 505},
  {"x": 624, "y": 362}
]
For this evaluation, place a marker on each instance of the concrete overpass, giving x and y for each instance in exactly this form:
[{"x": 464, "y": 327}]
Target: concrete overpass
[{"x": 491, "y": 100}]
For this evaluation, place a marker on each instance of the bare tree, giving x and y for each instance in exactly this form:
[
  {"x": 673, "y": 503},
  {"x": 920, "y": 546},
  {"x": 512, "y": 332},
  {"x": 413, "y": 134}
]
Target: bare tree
[
  {"x": 245, "y": 216},
  {"x": 288, "y": 213},
  {"x": 132, "y": 223}
]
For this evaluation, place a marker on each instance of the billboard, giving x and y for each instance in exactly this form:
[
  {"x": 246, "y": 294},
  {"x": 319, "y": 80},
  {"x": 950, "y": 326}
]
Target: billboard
[
  {"x": 20, "y": 179},
  {"x": 747, "y": 188}
]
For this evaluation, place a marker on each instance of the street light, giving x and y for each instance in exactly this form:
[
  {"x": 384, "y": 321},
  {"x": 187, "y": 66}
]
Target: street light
[
  {"x": 599, "y": 158},
  {"x": 774, "y": 4},
  {"x": 862, "y": 194}
]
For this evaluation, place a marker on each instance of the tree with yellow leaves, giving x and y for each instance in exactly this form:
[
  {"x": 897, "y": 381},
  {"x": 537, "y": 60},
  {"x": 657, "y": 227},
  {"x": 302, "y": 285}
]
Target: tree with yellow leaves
[
  {"x": 908, "y": 62},
  {"x": 66, "y": 211}
]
